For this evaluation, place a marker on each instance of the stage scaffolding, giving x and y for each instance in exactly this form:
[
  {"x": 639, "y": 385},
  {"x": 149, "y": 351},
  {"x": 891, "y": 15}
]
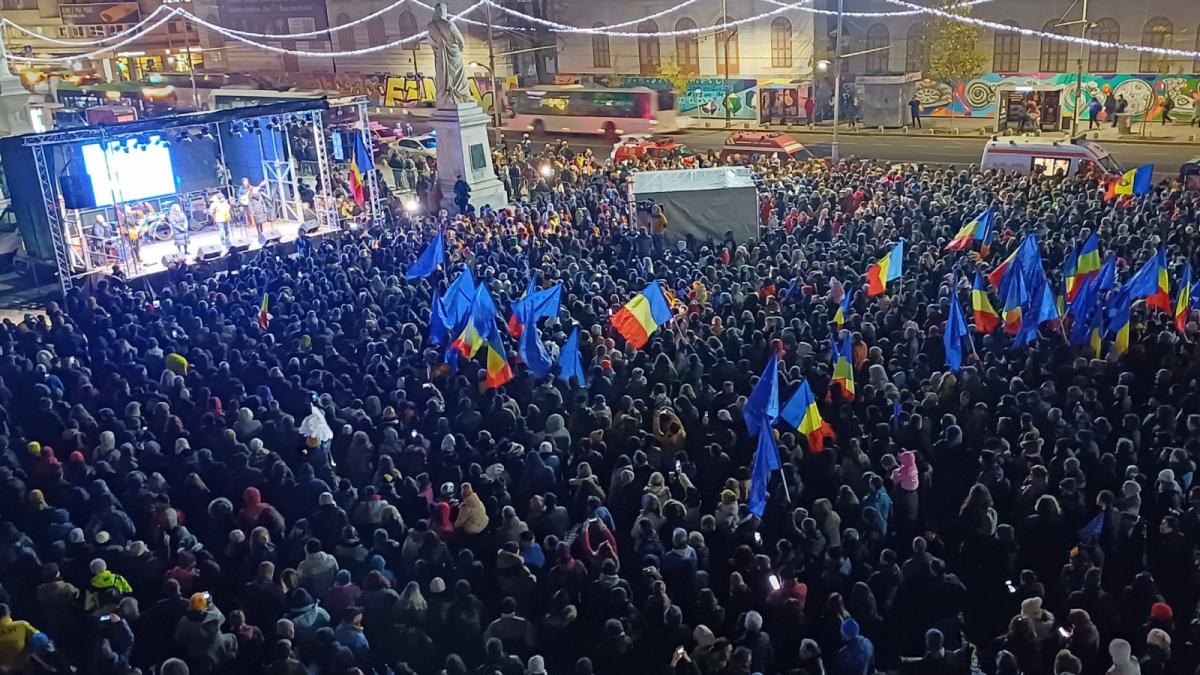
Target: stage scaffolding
[{"x": 76, "y": 254}]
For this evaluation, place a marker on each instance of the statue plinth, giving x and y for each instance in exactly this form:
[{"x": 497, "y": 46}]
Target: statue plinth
[{"x": 463, "y": 150}]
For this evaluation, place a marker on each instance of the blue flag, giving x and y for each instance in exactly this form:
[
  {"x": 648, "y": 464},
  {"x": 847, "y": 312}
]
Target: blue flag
[
  {"x": 896, "y": 410},
  {"x": 570, "y": 364},
  {"x": 457, "y": 301},
  {"x": 1108, "y": 274},
  {"x": 952, "y": 337},
  {"x": 438, "y": 331},
  {"x": 766, "y": 461},
  {"x": 434, "y": 255},
  {"x": 1091, "y": 531},
  {"x": 763, "y": 403},
  {"x": 533, "y": 352},
  {"x": 1083, "y": 310}
]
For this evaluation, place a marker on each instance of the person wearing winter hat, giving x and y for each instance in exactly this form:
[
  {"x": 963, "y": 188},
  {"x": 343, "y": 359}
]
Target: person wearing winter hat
[
  {"x": 856, "y": 656},
  {"x": 536, "y": 666},
  {"x": 1123, "y": 661},
  {"x": 1042, "y": 620}
]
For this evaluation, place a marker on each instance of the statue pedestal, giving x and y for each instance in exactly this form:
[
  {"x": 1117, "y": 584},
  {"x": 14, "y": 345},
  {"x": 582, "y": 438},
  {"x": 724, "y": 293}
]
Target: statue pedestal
[
  {"x": 463, "y": 150},
  {"x": 14, "y": 103}
]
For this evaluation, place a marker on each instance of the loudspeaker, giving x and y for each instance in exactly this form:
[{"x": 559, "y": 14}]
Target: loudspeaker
[
  {"x": 269, "y": 238},
  {"x": 308, "y": 228},
  {"x": 172, "y": 259},
  {"x": 208, "y": 253},
  {"x": 77, "y": 192},
  {"x": 239, "y": 246}
]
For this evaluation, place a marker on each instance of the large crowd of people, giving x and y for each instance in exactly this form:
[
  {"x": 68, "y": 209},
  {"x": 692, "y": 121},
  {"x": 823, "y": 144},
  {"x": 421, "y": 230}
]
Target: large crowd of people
[{"x": 274, "y": 470}]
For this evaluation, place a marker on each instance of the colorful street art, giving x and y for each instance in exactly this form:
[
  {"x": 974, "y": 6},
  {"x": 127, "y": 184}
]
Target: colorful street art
[
  {"x": 1144, "y": 92},
  {"x": 393, "y": 91}
]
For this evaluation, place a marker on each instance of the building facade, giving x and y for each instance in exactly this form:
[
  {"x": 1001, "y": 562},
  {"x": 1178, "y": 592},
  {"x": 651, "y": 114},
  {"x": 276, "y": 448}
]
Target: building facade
[{"x": 790, "y": 44}]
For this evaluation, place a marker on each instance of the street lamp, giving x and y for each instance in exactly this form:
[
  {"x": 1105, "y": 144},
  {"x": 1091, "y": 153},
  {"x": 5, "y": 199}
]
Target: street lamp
[{"x": 495, "y": 96}]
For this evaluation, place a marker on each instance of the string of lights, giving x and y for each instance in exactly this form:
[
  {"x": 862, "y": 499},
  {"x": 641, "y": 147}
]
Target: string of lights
[
  {"x": 116, "y": 45},
  {"x": 884, "y": 15},
  {"x": 135, "y": 28},
  {"x": 1074, "y": 39},
  {"x": 146, "y": 26}
]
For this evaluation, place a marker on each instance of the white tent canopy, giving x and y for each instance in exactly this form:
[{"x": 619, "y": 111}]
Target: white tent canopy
[{"x": 703, "y": 202}]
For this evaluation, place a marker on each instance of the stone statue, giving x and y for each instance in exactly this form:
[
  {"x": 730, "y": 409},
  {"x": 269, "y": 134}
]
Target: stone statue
[{"x": 449, "y": 75}]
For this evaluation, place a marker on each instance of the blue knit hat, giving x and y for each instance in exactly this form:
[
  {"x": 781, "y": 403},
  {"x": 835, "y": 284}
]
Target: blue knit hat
[{"x": 850, "y": 629}]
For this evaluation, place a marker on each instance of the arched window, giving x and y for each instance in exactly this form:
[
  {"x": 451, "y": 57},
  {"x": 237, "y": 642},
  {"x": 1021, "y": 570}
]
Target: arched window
[
  {"x": 916, "y": 51},
  {"x": 215, "y": 39},
  {"x": 1158, "y": 32},
  {"x": 781, "y": 43},
  {"x": 408, "y": 26},
  {"x": 1006, "y": 51},
  {"x": 345, "y": 37},
  {"x": 687, "y": 47},
  {"x": 376, "y": 31},
  {"x": 878, "y": 37},
  {"x": 1103, "y": 59},
  {"x": 726, "y": 43},
  {"x": 1053, "y": 58},
  {"x": 601, "y": 54},
  {"x": 649, "y": 58}
]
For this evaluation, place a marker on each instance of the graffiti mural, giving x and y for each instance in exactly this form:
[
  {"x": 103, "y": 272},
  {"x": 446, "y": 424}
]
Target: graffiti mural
[
  {"x": 395, "y": 91},
  {"x": 1144, "y": 92}
]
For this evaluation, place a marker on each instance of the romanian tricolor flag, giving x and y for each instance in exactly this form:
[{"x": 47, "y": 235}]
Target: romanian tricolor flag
[
  {"x": 643, "y": 315},
  {"x": 888, "y": 268},
  {"x": 1089, "y": 256},
  {"x": 997, "y": 275},
  {"x": 801, "y": 413},
  {"x": 1081, "y": 267},
  {"x": 1161, "y": 297},
  {"x": 1183, "y": 301},
  {"x": 986, "y": 318},
  {"x": 843, "y": 310},
  {"x": 264, "y": 319},
  {"x": 976, "y": 230},
  {"x": 469, "y": 340},
  {"x": 1133, "y": 182},
  {"x": 360, "y": 164},
  {"x": 1017, "y": 296},
  {"x": 843, "y": 370},
  {"x": 1069, "y": 266},
  {"x": 498, "y": 370}
]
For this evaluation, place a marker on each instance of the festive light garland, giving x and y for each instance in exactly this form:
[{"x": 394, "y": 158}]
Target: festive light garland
[
  {"x": 869, "y": 15},
  {"x": 565, "y": 28},
  {"x": 781, "y": 7},
  {"x": 116, "y": 45},
  {"x": 87, "y": 43},
  {"x": 1029, "y": 32}
]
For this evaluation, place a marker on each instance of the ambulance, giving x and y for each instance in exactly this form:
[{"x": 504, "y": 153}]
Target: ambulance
[
  {"x": 750, "y": 143},
  {"x": 1040, "y": 154}
]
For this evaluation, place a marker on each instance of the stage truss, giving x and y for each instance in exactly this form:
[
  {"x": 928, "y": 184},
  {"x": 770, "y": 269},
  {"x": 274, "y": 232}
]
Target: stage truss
[{"x": 68, "y": 231}]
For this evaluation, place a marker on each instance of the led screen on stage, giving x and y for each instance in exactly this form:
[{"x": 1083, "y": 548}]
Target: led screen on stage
[{"x": 130, "y": 170}]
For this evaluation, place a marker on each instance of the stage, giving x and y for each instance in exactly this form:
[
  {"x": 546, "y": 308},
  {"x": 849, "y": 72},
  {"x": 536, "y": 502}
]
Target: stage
[
  {"x": 205, "y": 246},
  {"x": 110, "y": 198}
]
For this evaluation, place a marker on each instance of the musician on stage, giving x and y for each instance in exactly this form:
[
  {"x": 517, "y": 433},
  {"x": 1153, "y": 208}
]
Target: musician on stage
[
  {"x": 179, "y": 228},
  {"x": 221, "y": 213},
  {"x": 253, "y": 203},
  {"x": 103, "y": 238}
]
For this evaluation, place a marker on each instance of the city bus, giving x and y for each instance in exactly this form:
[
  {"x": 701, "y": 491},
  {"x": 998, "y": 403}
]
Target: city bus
[{"x": 607, "y": 111}]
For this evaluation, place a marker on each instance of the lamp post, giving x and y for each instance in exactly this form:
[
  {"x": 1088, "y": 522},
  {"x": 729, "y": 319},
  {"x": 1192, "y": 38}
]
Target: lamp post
[
  {"x": 495, "y": 96},
  {"x": 837, "y": 84}
]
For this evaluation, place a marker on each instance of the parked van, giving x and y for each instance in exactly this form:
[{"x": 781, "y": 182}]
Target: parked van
[{"x": 1041, "y": 154}]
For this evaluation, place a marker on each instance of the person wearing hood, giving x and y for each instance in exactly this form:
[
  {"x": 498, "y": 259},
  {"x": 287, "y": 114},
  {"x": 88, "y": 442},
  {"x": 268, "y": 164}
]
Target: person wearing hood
[
  {"x": 198, "y": 634},
  {"x": 257, "y": 513},
  {"x": 306, "y": 615},
  {"x": 856, "y": 656},
  {"x": 905, "y": 482},
  {"x": 106, "y": 587},
  {"x": 1123, "y": 662},
  {"x": 472, "y": 517}
]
